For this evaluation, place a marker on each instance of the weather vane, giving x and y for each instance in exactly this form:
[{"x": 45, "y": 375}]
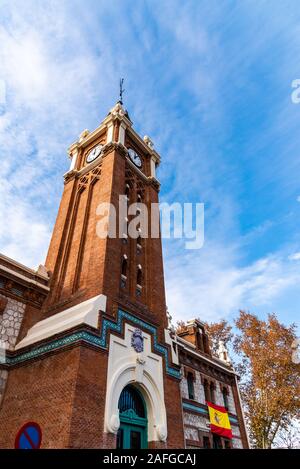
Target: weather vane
[{"x": 121, "y": 90}]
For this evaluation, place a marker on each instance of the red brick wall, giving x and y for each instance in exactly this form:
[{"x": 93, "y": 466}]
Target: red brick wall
[
  {"x": 31, "y": 316},
  {"x": 174, "y": 413},
  {"x": 41, "y": 391},
  {"x": 3, "y": 303},
  {"x": 87, "y": 422}
]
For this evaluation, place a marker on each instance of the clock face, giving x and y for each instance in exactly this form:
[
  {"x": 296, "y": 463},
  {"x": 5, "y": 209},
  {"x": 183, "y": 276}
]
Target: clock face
[
  {"x": 94, "y": 153},
  {"x": 135, "y": 158}
]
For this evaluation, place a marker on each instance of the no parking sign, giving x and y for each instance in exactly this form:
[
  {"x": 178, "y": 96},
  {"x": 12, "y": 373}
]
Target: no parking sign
[{"x": 29, "y": 436}]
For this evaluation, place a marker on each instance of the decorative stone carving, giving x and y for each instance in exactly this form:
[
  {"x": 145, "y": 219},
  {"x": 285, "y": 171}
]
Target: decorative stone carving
[
  {"x": 170, "y": 324},
  {"x": 137, "y": 341},
  {"x": 140, "y": 359},
  {"x": 83, "y": 134},
  {"x": 223, "y": 353},
  {"x": 114, "y": 423},
  {"x": 162, "y": 432},
  {"x": 118, "y": 111},
  {"x": 149, "y": 142}
]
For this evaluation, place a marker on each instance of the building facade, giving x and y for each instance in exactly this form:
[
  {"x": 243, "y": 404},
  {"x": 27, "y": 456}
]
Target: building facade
[{"x": 88, "y": 354}]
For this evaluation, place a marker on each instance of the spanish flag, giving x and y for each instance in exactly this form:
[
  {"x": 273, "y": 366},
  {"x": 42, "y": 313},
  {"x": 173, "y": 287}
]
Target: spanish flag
[{"x": 219, "y": 420}]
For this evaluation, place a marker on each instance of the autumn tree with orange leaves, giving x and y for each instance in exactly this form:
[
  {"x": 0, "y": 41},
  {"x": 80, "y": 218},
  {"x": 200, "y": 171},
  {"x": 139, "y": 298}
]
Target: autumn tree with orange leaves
[{"x": 270, "y": 384}]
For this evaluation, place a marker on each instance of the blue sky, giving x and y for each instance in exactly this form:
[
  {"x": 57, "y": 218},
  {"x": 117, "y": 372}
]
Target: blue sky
[{"x": 210, "y": 82}]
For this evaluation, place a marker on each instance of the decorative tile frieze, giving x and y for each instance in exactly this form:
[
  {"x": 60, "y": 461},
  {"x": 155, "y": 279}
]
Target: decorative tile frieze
[{"x": 96, "y": 340}]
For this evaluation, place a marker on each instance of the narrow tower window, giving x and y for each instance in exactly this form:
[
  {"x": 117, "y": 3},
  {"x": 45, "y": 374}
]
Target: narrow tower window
[
  {"x": 212, "y": 392},
  {"x": 124, "y": 266},
  {"x": 225, "y": 398},
  {"x": 206, "y": 390},
  {"x": 190, "y": 385},
  {"x": 139, "y": 277},
  {"x": 139, "y": 280}
]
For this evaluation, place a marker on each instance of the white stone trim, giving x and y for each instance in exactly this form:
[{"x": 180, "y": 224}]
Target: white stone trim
[
  {"x": 170, "y": 341},
  {"x": 122, "y": 129},
  {"x": 110, "y": 132},
  {"x": 83, "y": 313},
  {"x": 21, "y": 266},
  {"x": 153, "y": 167},
  {"x": 23, "y": 277},
  {"x": 145, "y": 370},
  {"x": 74, "y": 155}
]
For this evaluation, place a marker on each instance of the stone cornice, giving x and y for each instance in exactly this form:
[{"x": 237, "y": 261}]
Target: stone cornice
[
  {"x": 9, "y": 273},
  {"x": 22, "y": 283},
  {"x": 17, "y": 267},
  {"x": 18, "y": 290}
]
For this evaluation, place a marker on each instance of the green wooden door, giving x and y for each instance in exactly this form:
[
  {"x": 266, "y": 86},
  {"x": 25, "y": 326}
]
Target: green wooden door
[{"x": 132, "y": 433}]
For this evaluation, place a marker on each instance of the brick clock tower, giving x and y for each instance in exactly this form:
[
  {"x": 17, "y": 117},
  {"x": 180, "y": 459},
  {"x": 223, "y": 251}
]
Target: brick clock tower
[{"x": 94, "y": 365}]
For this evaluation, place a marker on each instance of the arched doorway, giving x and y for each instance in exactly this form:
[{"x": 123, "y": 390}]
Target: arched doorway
[{"x": 133, "y": 420}]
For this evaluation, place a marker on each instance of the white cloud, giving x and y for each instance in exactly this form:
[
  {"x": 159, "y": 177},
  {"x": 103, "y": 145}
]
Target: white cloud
[
  {"x": 24, "y": 234},
  {"x": 298, "y": 198},
  {"x": 50, "y": 96},
  {"x": 295, "y": 256},
  {"x": 211, "y": 285}
]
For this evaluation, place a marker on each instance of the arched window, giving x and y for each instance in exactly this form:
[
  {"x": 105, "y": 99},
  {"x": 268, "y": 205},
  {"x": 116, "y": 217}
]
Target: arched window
[
  {"x": 212, "y": 392},
  {"x": 200, "y": 340},
  {"x": 124, "y": 266},
  {"x": 139, "y": 277},
  {"x": 225, "y": 397},
  {"x": 190, "y": 385},
  {"x": 130, "y": 399},
  {"x": 206, "y": 390},
  {"x": 127, "y": 191},
  {"x": 206, "y": 348}
]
